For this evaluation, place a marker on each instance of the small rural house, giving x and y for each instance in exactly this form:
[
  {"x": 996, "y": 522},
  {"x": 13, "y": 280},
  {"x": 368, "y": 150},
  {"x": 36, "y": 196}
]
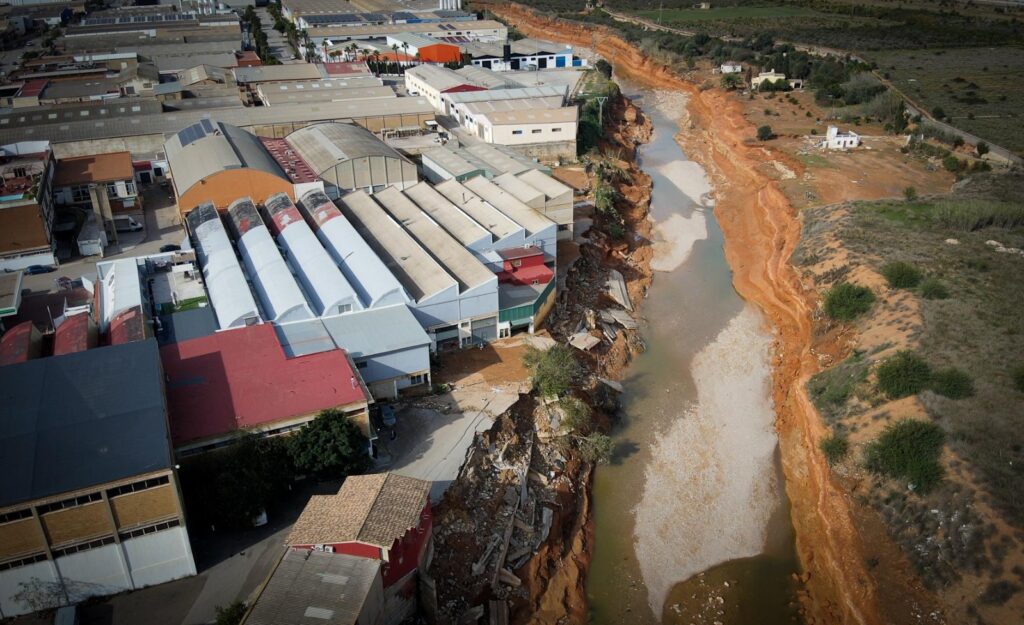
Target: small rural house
[
  {"x": 835, "y": 140},
  {"x": 771, "y": 77},
  {"x": 731, "y": 67}
]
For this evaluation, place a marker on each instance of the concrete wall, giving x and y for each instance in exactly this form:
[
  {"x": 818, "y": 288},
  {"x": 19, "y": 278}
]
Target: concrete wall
[
  {"x": 397, "y": 364},
  {"x": 159, "y": 557},
  {"x": 548, "y": 152}
]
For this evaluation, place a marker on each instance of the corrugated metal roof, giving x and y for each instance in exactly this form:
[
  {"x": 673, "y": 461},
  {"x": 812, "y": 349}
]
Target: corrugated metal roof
[
  {"x": 504, "y": 201},
  {"x": 328, "y": 95},
  {"x": 280, "y": 295},
  {"x": 496, "y": 222},
  {"x": 416, "y": 40},
  {"x": 384, "y": 30},
  {"x": 365, "y": 271},
  {"x": 420, "y": 274},
  {"x": 551, "y": 188},
  {"x": 267, "y": 73},
  {"x": 371, "y": 332},
  {"x": 209, "y": 147},
  {"x": 120, "y": 287},
  {"x": 502, "y": 160},
  {"x": 442, "y": 247},
  {"x": 328, "y": 289},
  {"x": 229, "y": 293},
  {"x": 439, "y": 77},
  {"x": 164, "y": 123},
  {"x": 324, "y": 146},
  {"x": 522, "y": 93},
  {"x": 457, "y": 223},
  {"x": 533, "y": 116},
  {"x": 456, "y": 162},
  {"x": 315, "y": 587},
  {"x": 82, "y": 420},
  {"x": 521, "y": 190},
  {"x": 495, "y": 106},
  {"x": 333, "y": 84},
  {"x": 486, "y": 78}
]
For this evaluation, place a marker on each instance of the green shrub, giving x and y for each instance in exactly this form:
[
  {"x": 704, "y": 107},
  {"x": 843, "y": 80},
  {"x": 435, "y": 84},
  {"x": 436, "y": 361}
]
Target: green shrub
[
  {"x": 1018, "y": 378},
  {"x": 901, "y": 275},
  {"x": 908, "y": 449},
  {"x": 910, "y": 194},
  {"x": 764, "y": 133},
  {"x": 553, "y": 371},
  {"x": 847, "y": 301},
  {"x": 970, "y": 215},
  {"x": 982, "y": 148},
  {"x": 835, "y": 448},
  {"x": 952, "y": 163},
  {"x": 952, "y": 383},
  {"x": 231, "y": 615},
  {"x": 933, "y": 288},
  {"x": 903, "y": 374}
]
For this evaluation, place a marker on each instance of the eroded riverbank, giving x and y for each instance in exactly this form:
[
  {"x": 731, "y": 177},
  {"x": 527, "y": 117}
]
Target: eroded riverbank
[{"x": 761, "y": 230}]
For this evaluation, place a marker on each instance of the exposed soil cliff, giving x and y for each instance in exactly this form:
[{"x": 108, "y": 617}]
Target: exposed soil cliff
[{"x": 761, "y": 231}]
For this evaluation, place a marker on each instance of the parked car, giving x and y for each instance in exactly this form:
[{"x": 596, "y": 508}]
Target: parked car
[
  {"x": 37, "y": 269},
  {"x": 387, "y": 416},
  {"x": 170, "y": 247}
]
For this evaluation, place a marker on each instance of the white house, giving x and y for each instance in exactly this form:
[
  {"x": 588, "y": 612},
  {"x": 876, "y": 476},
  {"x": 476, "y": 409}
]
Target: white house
[
  {"x": 835, "y": 140},
  {"x": 731, "y": 67},
  {"x": 770, "y": 76}
]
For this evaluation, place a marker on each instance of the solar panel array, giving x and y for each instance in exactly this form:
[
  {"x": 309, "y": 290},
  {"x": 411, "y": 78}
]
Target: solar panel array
[
  {"x": 332, "y": 19},
  {"x": 195, "y": 132},
  {"x": 141, "y": 19}
]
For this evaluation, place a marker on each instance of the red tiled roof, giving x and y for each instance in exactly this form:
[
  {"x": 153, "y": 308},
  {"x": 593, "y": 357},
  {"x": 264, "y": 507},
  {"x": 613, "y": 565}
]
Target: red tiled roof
[
  {"x": 16, "y": 344},
  {"x": 128, "y": 326},
  {"x": 289, "y": 160},
  {"x": 94, "y": 168},
  {"x": 72, "y": 335},
  {"x": 241, "y": 378}
]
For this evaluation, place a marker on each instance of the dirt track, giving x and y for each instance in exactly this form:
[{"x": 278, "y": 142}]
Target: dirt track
[{"x": 761, "y": 230}]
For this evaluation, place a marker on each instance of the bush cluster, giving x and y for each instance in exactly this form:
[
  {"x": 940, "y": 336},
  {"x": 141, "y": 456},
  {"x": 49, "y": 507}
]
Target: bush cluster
[
  {"x": 901, "y": 275},
  {"x": 846, "y": 301},
  {"x": 952, "y": 383},
  {"x": 835, "y": 448},
  {"x": 903, "y": 375},
  {"x": 933, "y": 288},
  {"x": 908, "y": 449}
]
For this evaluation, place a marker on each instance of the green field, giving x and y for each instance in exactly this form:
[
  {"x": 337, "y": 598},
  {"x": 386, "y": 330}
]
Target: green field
[
  {"x": 980, "y": 89},
  {"x": 727, "y": 13}
]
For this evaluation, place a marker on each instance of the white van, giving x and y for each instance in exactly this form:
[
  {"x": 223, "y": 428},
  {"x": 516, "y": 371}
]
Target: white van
[{"x": 125, "y": 223}]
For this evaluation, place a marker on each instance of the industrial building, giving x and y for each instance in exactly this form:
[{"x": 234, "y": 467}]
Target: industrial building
[
  {"x": 424, "y": 48},
  {"x": 524, "y": 54},
  {"x": 229, "y": 292},
  {"x": 431, "y": 81},
  {"x": 89, "y": 502},
  {"x": 461, "y": 163},
  {"x": 26, "y": 205},
  {"x": 455, "y": 102},
  {"x": 364, "y": 270},
  {"x": 347, "y": 157},
  {"x": 540, "y": 231},
  {"x": 242, "y": 379},
  {"x": 329, "y": 292},
  {"x": 449, "y": 30},
  {"x": 278, "y": 293},
  {"x": 211, "y": 161}
]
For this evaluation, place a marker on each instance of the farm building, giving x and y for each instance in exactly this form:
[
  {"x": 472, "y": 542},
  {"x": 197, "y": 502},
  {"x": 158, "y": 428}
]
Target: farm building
[
  {"x": 348, "y": 157},
  {"x": 215, "y": 162},
  {"x": 229, "y": 292},
  {"x": 835, "y": 140}
]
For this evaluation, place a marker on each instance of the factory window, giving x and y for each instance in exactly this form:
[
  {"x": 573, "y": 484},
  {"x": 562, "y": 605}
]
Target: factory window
[
  {"x": 70, "y": 502},
  {"x": 16, "y": 515},
  {"x": 517, "y": 132},
  {"x": 419, "y": 378},
  {"x": 92, "y": 544},
  {"x": 14, "y": 564},
  {"x": 536, "y": 131},
  {"x": 80, "y": 193},
  {"x": 556, "y": 130},
  {"x": 137, "y": 486},
  {"x": 150, "y": 529}
]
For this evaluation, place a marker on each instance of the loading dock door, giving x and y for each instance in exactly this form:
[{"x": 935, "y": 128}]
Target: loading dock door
[{"x": 485, "y": 330}]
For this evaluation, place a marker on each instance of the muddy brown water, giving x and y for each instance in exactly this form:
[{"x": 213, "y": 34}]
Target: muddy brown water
[{"x": 691, "y": 520}]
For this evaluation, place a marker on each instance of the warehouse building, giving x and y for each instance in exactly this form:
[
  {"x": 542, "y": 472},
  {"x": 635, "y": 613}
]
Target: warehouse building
[
  {"x": 455, "y": 102},
  {"x": 461, "y": 163},
  {"x": 540, "y": 231},
  {"x": 548, "y": 134},
  {"x": 211, "y": 161},
  {"x": 242, "y": 379},
  {"x": 229, "y": 292},
  {"x": 431, "y": 81},
  {"x": 89, "y": 500},
  {"x": 329, "y": 292},
  {"x": 324, "y": 95},
  {"x": 505, "y": 232},
  {"x": 449, "y": 30},
  {"x": 279, "y": 294},
  {"x": 347, "y": 157},
  {"x": 524, "y": 54},
  {"x": 366, "y": 272},
  {"x": 425, "y": 49}
]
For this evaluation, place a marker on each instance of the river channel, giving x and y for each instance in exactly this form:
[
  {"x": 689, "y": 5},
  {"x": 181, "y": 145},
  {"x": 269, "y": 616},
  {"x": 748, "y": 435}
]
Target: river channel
[{"x": 691, "y": 520}]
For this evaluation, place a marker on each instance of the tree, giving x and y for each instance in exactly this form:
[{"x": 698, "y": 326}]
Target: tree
[
  {"x": 596, "y": 447},
  {"x": 330, "y": 446},
  {"x": 604, "y": 67},
  {"x": 731, "y": 81},
  {"x": 764, "y": 133},
  {"x": 938, "y": 112},
  {"x": 982, "y": 148},
  {"x": 910, "y": 194},
  {"x": 553, "y": 371}
]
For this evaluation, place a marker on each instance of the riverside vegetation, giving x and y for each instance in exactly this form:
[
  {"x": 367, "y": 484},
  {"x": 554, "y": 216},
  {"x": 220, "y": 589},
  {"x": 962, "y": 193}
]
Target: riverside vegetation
[{"x": 927, "y": 404}]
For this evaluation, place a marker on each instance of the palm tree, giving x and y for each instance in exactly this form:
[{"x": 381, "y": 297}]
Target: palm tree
[
  {"x": 376, "y": 61},
  {"x": 405, "y": 48},
  {"x": 418, "y": 58}
]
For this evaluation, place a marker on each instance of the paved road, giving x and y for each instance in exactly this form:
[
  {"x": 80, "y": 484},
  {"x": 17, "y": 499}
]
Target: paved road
[
  {"x": 279, "y": 46},
  {"x": 163, "y": 226}
]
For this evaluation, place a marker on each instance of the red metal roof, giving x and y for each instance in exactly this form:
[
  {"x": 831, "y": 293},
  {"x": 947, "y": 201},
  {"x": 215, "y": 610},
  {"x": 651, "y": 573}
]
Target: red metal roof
[
  {"x": 461, "y": 88},
  {"x": 33, "y": 88},
  {"x": 241, "y": 378},
  {"x": 129, "y": 325},
  {"x": 513, "y": 253},
  {"x": 72, "y": 335},
  {"x": 289, "y": 160},
  {"x": 16, "y": 343}
]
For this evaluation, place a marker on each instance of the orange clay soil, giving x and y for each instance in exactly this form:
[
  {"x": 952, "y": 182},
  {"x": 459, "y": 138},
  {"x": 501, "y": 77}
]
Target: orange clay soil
[{"x": 761, "y": 230}]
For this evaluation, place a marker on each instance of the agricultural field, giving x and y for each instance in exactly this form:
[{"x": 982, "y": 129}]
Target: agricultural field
[{"x": 979, "y": 89}]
